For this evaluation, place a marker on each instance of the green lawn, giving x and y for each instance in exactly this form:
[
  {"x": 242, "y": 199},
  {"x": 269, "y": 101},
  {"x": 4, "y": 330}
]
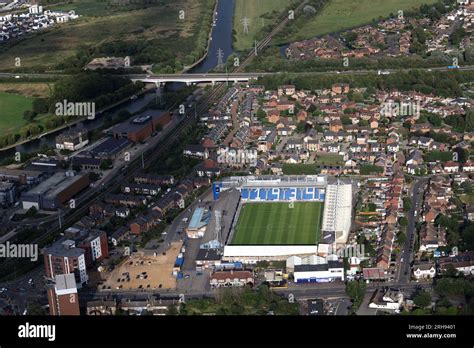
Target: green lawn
[
  {"x": 253, "y": 10},
  {"x": 300, "y": 169},
  {"x": 279, "y": 224},
  {"x": 12, "y": 107},
  {"x": 329, "y": 159},
  {"x": 99, "y": 24},
  {"x": 467, "y": 198},
  {"x": 344, "y": 14}
]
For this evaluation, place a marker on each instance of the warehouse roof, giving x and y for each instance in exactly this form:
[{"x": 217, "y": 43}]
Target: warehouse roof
[{"x": 55, "y": 184}]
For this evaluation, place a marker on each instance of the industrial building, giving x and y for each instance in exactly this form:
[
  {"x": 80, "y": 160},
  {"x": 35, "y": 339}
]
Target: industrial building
[
  {"x": 72, "y": 140},
  {"x": 141, "y": 127},
  {"x": 86, "y": 163},
  {"x": 55, "y": 191},
  {"x": 110, "y": 148},
  {"x": 208, "y": 258},
  {"x": 7, "y": 193},
  {"x": 319, "y": 273},
  {"x": 22, "y": 177}
]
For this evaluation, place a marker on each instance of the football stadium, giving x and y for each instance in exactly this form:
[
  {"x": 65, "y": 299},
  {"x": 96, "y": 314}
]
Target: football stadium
[
  {"x": 281, "y": 216},
  {"x": 296, "y": 223}
]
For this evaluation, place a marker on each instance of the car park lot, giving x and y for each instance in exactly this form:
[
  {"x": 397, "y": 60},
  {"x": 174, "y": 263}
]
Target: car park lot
[{"x": 140, "y": 272}]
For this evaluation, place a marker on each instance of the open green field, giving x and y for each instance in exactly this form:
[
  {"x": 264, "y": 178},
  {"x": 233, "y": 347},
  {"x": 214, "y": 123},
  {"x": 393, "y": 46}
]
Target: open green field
[
  {"x": 253, "y": 10},
  {"x": 279, "y": 224},
  {"x": 12, "y": 107},
  {"x": 300, "y": 168},
  {"x": 340, "y": 15},
  {"x": 329, "y": 159},
  {"x": 100, "y": 25}
]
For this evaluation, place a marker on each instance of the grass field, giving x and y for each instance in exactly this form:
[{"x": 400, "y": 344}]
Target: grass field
[
  {"x": 253, "y": 10},
  {"x": 300, "y": 168},
  {"x": 97, "y": 25},
  {"x": 329, "y": 159},
  {"x": 27, "y": 89},
  {"x": 344, "y": 14},
  {"x": 279, "y": 224},
  {"x": 12, "y": 107}
]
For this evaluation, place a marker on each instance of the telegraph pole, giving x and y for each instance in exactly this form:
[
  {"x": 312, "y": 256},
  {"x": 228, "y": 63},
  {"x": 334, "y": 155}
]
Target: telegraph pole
[{"x": 59, "y": 218}]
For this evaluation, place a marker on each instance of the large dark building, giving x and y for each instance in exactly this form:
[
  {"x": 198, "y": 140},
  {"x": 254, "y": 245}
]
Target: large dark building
[
  {"x": 55, "y": 191},
  {"x": 22, "y": 177},
  {"x": 140, "y": 127},
  {"x": 7, "y": 193}
]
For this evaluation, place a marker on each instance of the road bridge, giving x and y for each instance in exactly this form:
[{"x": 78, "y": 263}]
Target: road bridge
[{"x": 197, "y": 78}]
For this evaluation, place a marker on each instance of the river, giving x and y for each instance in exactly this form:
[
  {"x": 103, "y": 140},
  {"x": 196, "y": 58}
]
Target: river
[{"x": 221, "y": 39}]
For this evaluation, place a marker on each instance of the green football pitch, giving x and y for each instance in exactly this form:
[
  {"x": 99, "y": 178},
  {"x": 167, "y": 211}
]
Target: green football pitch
[{"x": 278, "y": 224}]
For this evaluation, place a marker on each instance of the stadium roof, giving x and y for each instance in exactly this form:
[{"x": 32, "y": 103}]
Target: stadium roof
[
  {"x": 199, "y": 219},
  {"x": 276, "y": 180}
]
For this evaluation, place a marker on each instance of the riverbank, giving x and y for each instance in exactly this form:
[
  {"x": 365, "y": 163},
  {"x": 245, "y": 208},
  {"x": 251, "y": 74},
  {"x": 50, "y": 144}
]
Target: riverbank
[{"x": 209, "y": 39}]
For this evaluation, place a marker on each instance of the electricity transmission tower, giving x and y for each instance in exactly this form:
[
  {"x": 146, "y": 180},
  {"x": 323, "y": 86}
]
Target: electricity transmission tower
[
  {"x": 246, "y": 23},
  {"x": 220, "y": 58}
]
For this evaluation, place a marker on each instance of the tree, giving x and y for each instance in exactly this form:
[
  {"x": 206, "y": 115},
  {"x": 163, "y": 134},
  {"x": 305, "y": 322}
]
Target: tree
[
  {"x": 470, "y": 121},
  {"x": 350, "y": 37},
  {"x": 450, "y": 271},
  {"x": 346, "y": 120},
  {"x": 105, "y": 164},
  {"x": 41, "y": 105},
  {"x": 300, "y": 127},
  {"x": 34, "y": 308},
  {"x": 29, "y": 115},
  {"x": 401, "y": 238},
  {"x": 31, "y": 212},
  {"x": 407, "y": 204},
  {"x": 94, "y": 176},
  {"x": 261, "y": 115},
  {"x": 423, "y": 299},
  {"x": 467, "y": 187},
  {"x": 403, "y": 221},
  {"x": 356, "y": 291},
  {"x": 173, "y": 309}
]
